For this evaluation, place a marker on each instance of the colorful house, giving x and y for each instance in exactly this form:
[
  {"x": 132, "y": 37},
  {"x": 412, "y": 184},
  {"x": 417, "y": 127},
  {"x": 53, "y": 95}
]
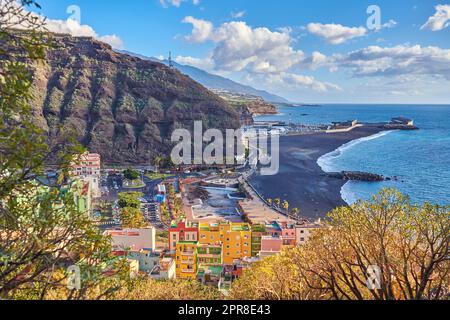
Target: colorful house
[
  {"x": 133, "y": 239},
  {"x": 209, "y": 254},
  {"x": 236, "y": 239},
  {"x": 186, "y": 260},
  {"x": 258, "y": 231},
  {"x": 182, "y": 231},
  {"x": 270, "y": 246}
]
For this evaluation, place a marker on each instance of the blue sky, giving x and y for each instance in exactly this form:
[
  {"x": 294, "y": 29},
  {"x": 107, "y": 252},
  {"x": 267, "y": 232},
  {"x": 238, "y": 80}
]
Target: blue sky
[{"x": 307, "y": 51}]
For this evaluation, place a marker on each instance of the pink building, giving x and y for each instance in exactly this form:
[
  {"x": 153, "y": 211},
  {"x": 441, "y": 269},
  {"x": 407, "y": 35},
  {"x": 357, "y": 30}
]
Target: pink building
[
  {"x": 270, "y": 246},
  {"x": 133, "y": 239},
  {"x": 288, "y": 234}
]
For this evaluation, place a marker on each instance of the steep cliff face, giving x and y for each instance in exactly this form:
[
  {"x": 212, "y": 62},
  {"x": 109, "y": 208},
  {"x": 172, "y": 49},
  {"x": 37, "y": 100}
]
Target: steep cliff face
[{"x": 120, "y": 106}]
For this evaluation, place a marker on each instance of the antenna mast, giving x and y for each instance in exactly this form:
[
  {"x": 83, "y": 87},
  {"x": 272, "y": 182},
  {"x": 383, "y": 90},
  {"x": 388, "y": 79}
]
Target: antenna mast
[{"x": 170, "y": 59}]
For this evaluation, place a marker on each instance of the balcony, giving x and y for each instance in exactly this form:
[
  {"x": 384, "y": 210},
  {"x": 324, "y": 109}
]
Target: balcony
[
  {"x": 190, "y": 271},
  {"x": 187, "y": 262}
]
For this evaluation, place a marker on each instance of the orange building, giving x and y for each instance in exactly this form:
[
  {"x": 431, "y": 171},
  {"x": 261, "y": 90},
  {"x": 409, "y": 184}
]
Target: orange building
[{"x": 236, "y": 239}]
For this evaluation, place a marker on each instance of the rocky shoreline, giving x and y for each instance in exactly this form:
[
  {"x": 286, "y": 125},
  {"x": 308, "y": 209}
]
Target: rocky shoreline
[{"x": 357, "y": 176}]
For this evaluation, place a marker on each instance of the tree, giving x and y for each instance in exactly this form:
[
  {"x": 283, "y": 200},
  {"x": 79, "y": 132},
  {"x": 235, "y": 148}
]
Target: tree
[
  {"x": 277, "y": 202},
  {"x": 286, "y": 205},
  {"x": 130, "y": 200},
  {"x": 148, "y": 289},
  {"x": 132, "y": 218},
  {"x": 42, "y": 229},
  {"x": 131, "y": 174},
  {"x": 296, "y": 212},
  {"x": 269, "y": 201},
  {"x": 407, "y": 244}
]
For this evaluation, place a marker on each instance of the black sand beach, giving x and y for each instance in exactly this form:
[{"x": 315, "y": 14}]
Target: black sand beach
[{"x": 300, "y": 180}]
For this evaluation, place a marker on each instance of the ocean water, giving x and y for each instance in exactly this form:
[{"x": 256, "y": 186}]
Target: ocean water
[{"x": 420, "y": 159}]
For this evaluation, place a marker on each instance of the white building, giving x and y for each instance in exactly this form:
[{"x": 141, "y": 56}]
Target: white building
[
  {"x": 303, "y": 232},
  {"x": 87, "y": 169}
]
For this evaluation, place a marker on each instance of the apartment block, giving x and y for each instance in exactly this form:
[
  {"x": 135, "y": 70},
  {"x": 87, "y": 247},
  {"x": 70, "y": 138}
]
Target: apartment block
[
  {"x": 236, "y": 241},
  {"x": 209, "y": 233},
  {"x": 186, "y": 260}
]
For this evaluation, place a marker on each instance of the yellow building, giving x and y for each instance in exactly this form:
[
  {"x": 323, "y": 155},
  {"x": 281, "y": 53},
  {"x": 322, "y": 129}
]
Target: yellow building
[
  {"x": 235, "y": 238},
  {"x": 236, "y": 241},
  {"x": 209, "y": 233},
  {"x": 186, "y": 260}
]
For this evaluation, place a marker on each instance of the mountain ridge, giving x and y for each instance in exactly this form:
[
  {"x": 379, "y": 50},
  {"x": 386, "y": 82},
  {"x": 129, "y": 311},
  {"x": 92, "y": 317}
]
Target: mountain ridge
[
  {"x": 213, "y": 81},
  {"x": 119, "y": 106}
]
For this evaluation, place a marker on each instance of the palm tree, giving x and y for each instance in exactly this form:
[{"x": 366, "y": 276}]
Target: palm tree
[
  {"x": 277, "y": 202},
  {"x": 286, "y": 205},
  {"x": 270, "y": 202},
  {"x": 296, "y": 212}
]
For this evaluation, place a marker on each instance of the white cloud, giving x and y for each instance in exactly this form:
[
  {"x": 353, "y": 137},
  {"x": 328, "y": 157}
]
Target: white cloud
[
  {"x": 74, "y": 28},
  {"x": 176, "y": 3},
  {"x": 290, "y": 81},
  {"x": 113, "y": 40},
  {"x": 205, "y": 64},
  {"x": 440, "y": 20},
  {"x": 238, "y": 14},
  {"x": 395, "y": 61},
  {"x": 202, "y": 30},
  {"x": 240, "y": 47},
  {"x": 335, "y": 33},
  {"x": 390, "y": 24},
  {"x": 260, "y": 54}
]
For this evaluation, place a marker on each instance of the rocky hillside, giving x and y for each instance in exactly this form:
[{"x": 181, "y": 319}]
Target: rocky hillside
[
  {"x": 252, "y": 104},
  {"x": 120, "y": 106}
]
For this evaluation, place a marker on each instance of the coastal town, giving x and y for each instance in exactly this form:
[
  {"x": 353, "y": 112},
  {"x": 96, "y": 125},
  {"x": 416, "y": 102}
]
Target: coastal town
[{"x": 206, "y": 224}]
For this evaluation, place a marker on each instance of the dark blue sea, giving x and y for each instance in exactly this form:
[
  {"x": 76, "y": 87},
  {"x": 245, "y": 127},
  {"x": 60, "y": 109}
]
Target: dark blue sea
[{"x": 420, "y": 159}]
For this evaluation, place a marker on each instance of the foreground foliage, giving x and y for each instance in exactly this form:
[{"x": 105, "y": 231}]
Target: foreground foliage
[
  {"x": 148, "y": 289},
  {"x": 408, "y": 244},
  {"x": 42, "y": 229}
]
